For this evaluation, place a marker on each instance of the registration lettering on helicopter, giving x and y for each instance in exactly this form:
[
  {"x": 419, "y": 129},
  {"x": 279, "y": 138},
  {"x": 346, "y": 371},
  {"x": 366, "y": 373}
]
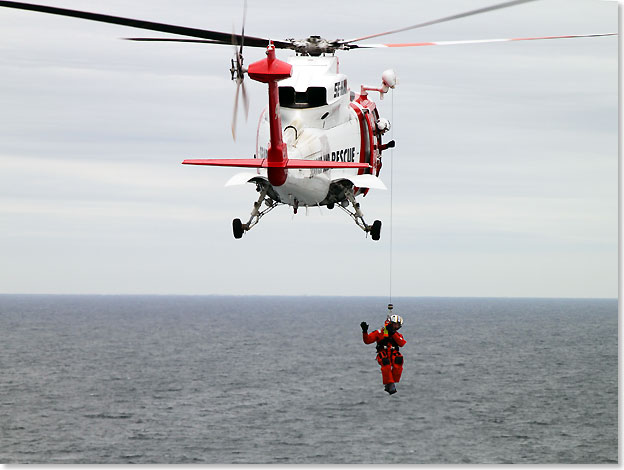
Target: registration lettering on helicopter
[{"x": 340, "y": 88}]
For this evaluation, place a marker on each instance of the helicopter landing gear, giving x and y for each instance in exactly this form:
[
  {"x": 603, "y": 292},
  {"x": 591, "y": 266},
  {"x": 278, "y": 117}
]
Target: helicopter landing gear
[
  {"x": 375, "y": 230},
  {"x": 237, "y": 227},
  {"x": 358, "y": 217},
  {"x": 240, "y": 228}
]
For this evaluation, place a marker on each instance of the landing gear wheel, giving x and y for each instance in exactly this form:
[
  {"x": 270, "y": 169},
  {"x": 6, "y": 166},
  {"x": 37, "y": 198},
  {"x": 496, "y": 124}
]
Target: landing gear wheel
[
  {"x": 237, "y": 228},
  {"x": 376, "y": 230}
]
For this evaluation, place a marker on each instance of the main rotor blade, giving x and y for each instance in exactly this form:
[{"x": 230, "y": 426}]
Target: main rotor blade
[
  {"x": 442, "y": 20},
  {"x": 216, "y": 36},
  {"x": 200, "y": 41},
  {"x": 478, "y": 41}
]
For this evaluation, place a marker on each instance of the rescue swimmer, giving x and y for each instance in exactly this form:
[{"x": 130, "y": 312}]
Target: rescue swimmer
[{"x": 389, "y": 340}]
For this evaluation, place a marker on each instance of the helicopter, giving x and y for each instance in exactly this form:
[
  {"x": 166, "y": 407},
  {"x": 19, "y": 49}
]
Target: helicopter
[{"x": 319, "y": 143}]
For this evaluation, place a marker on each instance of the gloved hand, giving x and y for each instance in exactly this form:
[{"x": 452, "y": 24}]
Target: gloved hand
[
  {"x": 364, "y": 326},
  {"x": 390, "y": 328}
]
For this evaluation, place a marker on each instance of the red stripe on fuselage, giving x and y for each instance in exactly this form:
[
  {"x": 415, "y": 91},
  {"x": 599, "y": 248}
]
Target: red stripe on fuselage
[
  {"x": 365, "y": 154},
  {"x": 364, "y": 157}
]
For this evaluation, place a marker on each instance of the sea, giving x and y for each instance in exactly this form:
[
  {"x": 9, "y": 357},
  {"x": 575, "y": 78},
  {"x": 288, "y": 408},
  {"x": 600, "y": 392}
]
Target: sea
[{"x": 288, "y": 380}]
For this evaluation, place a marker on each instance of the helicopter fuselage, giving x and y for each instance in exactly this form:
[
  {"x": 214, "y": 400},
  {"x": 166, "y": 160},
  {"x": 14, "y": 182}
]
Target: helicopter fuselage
[{"x": 322, "y": 120}]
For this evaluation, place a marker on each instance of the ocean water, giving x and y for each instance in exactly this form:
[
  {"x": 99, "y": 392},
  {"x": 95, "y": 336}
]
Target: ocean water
[{"x": 158, "y": 379}]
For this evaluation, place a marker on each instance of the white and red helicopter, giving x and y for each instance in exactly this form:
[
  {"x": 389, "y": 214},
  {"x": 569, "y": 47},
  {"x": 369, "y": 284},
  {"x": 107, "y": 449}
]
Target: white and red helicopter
[{"x": 318, "y": 142}]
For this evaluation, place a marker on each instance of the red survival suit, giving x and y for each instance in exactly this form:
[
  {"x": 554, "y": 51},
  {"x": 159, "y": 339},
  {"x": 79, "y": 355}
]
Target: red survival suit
[{"x": 388, "y": 355}]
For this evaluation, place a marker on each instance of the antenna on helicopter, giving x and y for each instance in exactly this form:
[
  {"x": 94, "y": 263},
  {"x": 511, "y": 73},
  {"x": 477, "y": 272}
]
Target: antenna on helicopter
[
  {"x": 388, "y": 81},
  {"x": 238, "y": 73}
]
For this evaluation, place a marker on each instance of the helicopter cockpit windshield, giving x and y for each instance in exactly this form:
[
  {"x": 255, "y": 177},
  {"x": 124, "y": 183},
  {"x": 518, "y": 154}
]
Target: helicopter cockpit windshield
[{"x": 313, "y": 97}]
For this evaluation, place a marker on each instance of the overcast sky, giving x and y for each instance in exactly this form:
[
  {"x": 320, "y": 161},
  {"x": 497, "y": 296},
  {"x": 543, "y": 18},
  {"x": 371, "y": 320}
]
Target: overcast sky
[{"x": 504, "y": 179}]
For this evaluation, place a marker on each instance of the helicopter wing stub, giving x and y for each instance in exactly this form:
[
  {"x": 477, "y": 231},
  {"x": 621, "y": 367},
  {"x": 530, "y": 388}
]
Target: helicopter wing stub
[
  {"x": 480, "y": 41},
  {"x": 321, "y": 164},
  {"x": 292, "y": 163},
  {"x": 236, "y": 162},
  {"x": 363, "y": 181},
  {"x": 214, "y": 36},
  {"x": 244, "y": 178}
]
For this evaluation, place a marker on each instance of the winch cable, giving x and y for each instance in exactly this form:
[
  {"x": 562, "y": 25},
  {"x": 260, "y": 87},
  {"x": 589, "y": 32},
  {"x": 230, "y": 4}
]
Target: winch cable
[{"x": 391, "y": 184}]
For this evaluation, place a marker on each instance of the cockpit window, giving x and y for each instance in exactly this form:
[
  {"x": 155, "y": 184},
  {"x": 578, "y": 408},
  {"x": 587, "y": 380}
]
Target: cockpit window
[{"x": 311, "y": 98}]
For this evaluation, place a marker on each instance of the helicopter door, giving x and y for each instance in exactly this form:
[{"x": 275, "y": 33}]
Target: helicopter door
[
  {"x": 366, "y": 143},
  {"x": 365, "y": 136}
]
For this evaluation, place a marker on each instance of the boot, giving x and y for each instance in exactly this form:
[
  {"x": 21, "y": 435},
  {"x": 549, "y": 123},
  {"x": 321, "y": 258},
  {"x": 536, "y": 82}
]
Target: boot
[{"x": 390, "y": 388}]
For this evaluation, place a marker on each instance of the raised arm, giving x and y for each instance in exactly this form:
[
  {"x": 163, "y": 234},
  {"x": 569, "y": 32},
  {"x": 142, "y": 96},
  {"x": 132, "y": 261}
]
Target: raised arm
[{"x": 367, "y": 337}]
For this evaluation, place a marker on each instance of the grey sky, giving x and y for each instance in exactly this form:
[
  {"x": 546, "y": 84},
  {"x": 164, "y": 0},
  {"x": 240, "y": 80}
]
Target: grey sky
[{"x": 505, "y": 178}]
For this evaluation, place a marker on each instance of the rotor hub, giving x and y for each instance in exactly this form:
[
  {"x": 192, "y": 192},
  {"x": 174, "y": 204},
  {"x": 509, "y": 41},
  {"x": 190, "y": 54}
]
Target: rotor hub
[{"x": 315, "y": 46}]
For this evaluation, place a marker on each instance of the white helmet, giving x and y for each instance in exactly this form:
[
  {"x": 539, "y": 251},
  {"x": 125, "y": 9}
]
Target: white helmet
[{"x": 396, "y": 319}]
